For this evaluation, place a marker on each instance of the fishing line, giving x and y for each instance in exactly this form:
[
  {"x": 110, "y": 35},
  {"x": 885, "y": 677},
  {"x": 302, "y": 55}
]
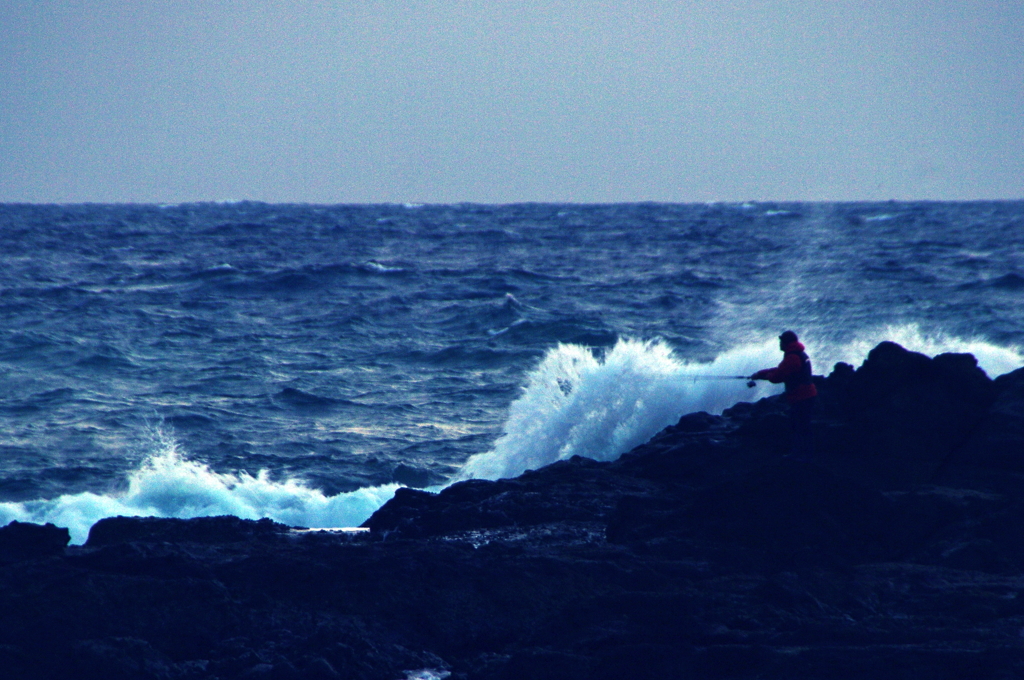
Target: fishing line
[{"x": 750, "y": 383}]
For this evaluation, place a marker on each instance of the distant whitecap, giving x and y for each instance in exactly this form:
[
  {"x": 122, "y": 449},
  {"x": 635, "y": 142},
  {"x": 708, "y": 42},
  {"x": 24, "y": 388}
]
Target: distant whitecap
[{"x": 375, "y": 266}]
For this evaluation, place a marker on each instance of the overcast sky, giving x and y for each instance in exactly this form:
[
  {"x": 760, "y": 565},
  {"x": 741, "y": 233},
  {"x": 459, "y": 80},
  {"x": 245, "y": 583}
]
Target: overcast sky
[{"x": 494, "y": 101}]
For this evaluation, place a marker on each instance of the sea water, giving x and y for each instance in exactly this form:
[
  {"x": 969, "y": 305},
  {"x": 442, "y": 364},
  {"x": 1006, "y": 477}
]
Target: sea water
[{"x": 299, "y": 362}]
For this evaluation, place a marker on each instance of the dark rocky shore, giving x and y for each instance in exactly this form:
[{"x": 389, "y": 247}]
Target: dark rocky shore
[{"x": 705, "y": 553}]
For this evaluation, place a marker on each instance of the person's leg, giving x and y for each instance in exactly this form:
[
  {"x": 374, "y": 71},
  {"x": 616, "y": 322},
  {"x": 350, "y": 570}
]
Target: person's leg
[{"x": 802, "y": 446}]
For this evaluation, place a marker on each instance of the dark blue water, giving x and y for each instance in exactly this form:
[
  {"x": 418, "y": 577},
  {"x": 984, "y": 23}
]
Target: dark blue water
[{"x": 156, "y": 359}]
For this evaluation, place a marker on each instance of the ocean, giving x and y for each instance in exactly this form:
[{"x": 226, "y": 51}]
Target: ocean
[{"x": 299, "y": 362}]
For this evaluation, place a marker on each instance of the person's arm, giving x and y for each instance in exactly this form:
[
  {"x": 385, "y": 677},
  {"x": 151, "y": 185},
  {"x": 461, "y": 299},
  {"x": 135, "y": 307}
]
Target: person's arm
[{"x": 790, "y": 364}]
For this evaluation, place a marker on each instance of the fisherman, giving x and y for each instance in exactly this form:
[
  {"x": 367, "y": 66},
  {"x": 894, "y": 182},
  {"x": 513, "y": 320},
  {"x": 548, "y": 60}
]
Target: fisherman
[{"x": 795, "y": 372}]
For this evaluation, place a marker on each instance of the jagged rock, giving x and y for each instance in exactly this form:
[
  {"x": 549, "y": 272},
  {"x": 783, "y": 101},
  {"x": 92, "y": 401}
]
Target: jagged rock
[
  {"x": 223, "y": 529},
  {"x": 996, "y": 443},
  {"x": 122, "y": 659},
  {"x": 793, "y": 514},
  {"x": 23, "y": 540},
  {"x": 905, "y": 414},
  {"x": 574, "y": 490}
]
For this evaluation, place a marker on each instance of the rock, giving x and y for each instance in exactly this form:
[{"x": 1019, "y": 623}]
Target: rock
[
  {"x": 261, "y": 671},
  {"x": 904, "y": 414},
  {"x": 121, "y": 659},
  {"x": 996, "y": 443},
  {"x": 224, "y": 529},
  {"x": 792, "y": 514},
  {"x": 22, "y": 541},
  {"x": 574, "y": 490},
  {"x": 319, "y": 669}
]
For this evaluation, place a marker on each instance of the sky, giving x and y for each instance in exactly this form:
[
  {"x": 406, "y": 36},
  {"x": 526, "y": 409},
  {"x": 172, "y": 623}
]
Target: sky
[{"x": 495, "y": 101}]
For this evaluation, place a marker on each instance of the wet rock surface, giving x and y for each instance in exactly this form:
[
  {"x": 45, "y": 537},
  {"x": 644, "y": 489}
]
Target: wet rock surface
[{"x": 898, "y": 552}]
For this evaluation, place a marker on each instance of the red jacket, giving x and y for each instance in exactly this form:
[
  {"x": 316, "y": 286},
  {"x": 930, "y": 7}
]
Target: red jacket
[{"x": 795, "y": 371}]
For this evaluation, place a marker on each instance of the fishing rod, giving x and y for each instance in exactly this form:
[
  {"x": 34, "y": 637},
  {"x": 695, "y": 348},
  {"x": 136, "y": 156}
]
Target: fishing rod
[{"x": 750, "y": 383}]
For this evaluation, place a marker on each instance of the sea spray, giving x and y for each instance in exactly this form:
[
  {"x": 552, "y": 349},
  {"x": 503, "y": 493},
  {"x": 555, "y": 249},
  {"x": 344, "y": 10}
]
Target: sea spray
[
  {"x": 169, "y": 485},
  {"x": 579, "y": 403}
]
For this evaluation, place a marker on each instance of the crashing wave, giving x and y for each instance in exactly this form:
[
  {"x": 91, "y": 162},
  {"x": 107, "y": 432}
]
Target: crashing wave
[{"x": 169, "y": 485}]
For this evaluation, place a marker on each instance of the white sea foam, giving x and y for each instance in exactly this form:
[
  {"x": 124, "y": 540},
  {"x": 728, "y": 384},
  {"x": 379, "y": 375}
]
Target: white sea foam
[
  {"x": 601, "y": 406},
  {"x": 375, "y": 266},
  {"x": 427, "y": 674},
  {"x": 169, "y": 485}
]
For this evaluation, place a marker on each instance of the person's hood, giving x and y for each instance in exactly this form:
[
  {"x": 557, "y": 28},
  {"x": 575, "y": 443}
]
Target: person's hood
[{"x": 795, "y": 346}]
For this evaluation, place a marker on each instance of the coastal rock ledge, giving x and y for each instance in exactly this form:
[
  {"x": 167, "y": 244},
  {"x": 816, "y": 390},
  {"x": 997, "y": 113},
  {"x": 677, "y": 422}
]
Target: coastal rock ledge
[{"x": 898, "y": 552}]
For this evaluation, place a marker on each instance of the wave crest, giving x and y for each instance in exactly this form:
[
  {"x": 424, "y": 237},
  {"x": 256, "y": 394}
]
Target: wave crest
[
  {"x": 576, "y": 403},
  {"x": 169, "y": 485}
]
